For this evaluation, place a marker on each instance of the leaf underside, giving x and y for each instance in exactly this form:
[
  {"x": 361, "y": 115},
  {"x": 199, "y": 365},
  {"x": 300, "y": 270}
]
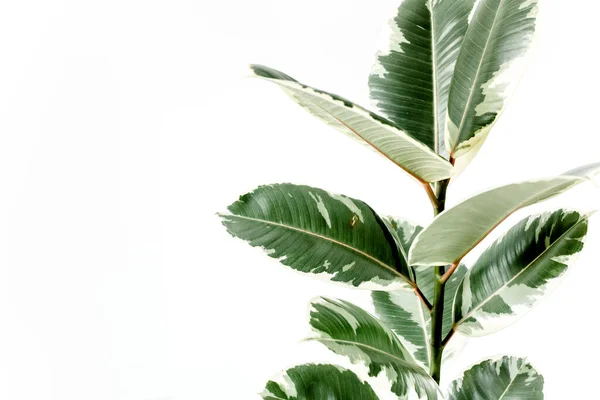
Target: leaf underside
[
  {"x": 369, "y": 129},
  {"x": 456, "y": 231}
]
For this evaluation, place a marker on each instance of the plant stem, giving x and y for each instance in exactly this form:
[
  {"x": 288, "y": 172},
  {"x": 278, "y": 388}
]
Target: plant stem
[{"x": 437, "y": 311}]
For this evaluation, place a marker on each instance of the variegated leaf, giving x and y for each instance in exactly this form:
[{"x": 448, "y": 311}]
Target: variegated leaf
[
  {"x": 505, "y": 378},
  {"x": 517, "y": 270},
  {"x": 490, "y": 64},
  {"x": 368, "y": 128},
  {"x": 352, "y": 332},
  {"x": 318, "y": 382},
  {"x": 411, "y": 78},
  {"x": 456, "y": 231},
  {"x": 404, "y": 312},
  {"x": 316, "y": 232}
]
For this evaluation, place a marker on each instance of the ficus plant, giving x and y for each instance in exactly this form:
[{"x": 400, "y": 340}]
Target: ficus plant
[{"x": 438, "y": 88}]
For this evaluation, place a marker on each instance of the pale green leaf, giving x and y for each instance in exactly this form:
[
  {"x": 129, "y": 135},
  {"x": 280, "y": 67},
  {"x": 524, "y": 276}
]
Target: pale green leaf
[
  {"x": 411, "y": 78},
  {"x": 456, "y": 231},
  {"x": 352, "y": 332},
  {"x": 491, "y": 61},
  {"x": 505, "y": 378},
  {"x": 368, "y": 128},
  {"x": 316, "y": 232},
  {"x": 318, "y": 382},
  {"x": 517, "y": 271}
]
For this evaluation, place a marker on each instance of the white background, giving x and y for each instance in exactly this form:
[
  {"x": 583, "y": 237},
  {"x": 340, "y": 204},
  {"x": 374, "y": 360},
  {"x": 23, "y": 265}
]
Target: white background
[{"x": 125, "y": 125}]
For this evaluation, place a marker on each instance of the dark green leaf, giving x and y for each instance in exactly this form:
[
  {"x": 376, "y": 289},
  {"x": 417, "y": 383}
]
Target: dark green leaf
[
  {"x": 316, "y": 232},
  {"x": 318, "y": 382}
]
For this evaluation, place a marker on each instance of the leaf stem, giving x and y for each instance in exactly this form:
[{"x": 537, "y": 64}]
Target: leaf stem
[
  {"x": 448, "y": 336},
  {"x": 432, "y": 197},
  {"x": 423, "y": 299},
  {"x": 437, "y": 311},
  {"x": 450, "y": 271}
]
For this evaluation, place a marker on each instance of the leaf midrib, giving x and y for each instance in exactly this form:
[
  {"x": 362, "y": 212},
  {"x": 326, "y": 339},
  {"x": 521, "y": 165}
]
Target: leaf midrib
[
  {"x": 512, "y": 380},
  {"x": 433, "y": 156},
  {"x": 526, "y": 202},
  {"x": 475, "y": 80},
  {"x": 342, "y": 244},
  {"x": 560, "y": 238},
  {"x": 414, "y": 366}
]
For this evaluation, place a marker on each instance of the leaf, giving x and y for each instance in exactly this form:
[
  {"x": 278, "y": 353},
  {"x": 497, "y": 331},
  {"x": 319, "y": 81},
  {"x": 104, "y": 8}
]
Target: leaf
[
  {"x": 316, "y": 232},
  {"x": 506, "y": 378},
  {"x": 404, "y": 313},
  {"x": 489, "y": 66},
  {"x": 517, "y": 270},
  {"x": 368, "y": 128},
  {"x": 411, "y": 79},
  {"x": 456, "y": 231},
  {"x": 349, "y": 331},
  {"x": 318, "y": 382}
]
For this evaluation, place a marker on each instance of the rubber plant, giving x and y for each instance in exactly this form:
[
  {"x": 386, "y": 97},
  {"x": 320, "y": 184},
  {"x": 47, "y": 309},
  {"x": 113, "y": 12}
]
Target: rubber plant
[{"x": 439, "y": 87}]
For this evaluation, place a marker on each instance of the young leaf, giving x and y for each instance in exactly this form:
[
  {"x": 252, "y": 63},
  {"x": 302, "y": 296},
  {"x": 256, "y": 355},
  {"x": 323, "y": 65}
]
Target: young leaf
[
  {"x": 455, "y": 232},
  {"x": 316, "y": 232},
  {"x": 318, "y": 382},
  {"x": 410, "y": 80},
  {"x": 350, "y": 331},
  {"x": 404, "y": 313},
  {"x": 490, "y": 64},
  {"x": 506, "y": 378},
  {"x": 368, "y": 128},
  {"x": 517, "y": 270}
]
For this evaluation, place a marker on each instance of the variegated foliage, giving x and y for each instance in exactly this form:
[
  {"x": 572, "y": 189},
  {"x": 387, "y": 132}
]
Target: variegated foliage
[
  {"x": 352, "y": 332},
  {"x": 489, "y": 66},
  {"x": 517, "y": 270},
  {"x": 318, "y": 381},
  {"x": 504, "y": 378},
  {"x": 444, "y": 77},
  {"x": 411, "y": 77},
  {"x": 317, "y": 232},
  {"x": 368, "y": 128},
  {"x": 404, "y": 312}
]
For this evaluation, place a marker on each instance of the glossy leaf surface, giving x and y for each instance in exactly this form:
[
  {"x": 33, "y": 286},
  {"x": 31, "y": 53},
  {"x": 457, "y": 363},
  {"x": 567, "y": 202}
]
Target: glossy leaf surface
[
  {"x": 352, "y": 332},
  {"x": 318, "y": 382},
  {"x": 505, "y": 378},
  {"x": 411, "y": 78},
  {"x": 489, "y": 66},
  {"x": 316, "y": 232},
  {"x": 517, "y": 270}
]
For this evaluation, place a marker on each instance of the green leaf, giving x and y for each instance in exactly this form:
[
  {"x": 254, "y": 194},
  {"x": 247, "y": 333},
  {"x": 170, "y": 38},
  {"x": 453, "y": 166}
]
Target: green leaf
[
  {"x": 316, "y": 232},
  {"x": 368, "y": 128},
  {"x": 455, "y": 232},
  {"x": 490, "y": 64},
  {"x": 411, "y": 79},
  {"x": 404, "y": 312},
  {"x": 349, "y": 331},
  {"x": 517, "y": 270},
  {"x": 506, "y": 378},
  {"x": 318, "y": 382}
]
